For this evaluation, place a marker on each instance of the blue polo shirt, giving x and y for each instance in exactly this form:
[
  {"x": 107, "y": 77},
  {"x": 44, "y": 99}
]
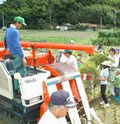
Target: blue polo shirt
[{"x": 12, "y": 42}]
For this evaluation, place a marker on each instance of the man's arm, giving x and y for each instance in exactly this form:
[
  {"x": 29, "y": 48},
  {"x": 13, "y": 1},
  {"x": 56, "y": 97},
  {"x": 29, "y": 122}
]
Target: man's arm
[{"x": 5, "y": 43}]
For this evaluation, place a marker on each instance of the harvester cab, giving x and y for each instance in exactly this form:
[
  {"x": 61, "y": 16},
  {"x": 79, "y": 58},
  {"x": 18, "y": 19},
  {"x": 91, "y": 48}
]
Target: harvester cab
[{"x": 30, "y": 90}]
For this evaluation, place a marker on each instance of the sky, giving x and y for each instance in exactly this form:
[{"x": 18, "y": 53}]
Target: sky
[{"x": 1, "y": 1}]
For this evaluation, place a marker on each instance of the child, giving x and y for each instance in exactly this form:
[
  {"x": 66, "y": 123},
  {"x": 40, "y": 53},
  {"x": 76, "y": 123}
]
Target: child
[
  {"x": 104, "y": 81},
  {"x": 117, "y": 86}
]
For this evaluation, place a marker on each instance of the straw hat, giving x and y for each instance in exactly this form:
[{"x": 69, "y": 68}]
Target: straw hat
[{"x": 108, "y": 63}]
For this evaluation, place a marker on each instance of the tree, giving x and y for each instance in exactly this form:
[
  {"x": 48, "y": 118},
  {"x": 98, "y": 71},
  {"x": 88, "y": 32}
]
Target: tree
[{"x": 40, "y": 14}]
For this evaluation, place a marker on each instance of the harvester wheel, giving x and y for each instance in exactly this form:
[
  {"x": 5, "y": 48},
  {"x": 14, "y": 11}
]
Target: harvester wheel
[{"x": 21, "y": 122}]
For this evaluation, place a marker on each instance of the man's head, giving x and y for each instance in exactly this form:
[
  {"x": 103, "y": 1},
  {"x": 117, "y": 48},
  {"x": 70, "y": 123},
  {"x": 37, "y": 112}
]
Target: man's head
[
  {"x": 68, "y": 53},
  {"x": 19, "y": 22},
  {"x": 60, "y": 103},
  {"x": 72, "y": 42}
]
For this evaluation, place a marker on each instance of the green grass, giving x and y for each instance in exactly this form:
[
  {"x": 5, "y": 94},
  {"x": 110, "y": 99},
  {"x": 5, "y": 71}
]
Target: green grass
[{"x": 81, "y": 37}]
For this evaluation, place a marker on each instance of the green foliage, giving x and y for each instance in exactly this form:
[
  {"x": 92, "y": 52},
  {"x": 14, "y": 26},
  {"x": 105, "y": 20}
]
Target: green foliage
[
  {"x": 94, "y": 12},
  {"x": 91, "y": 66},
  {"x": 109, "y": 34},
  {"x": 108, "y": 38},
  {"x": 108, "y": 26},
  {"x": 98, "y": 58},
  {"x": 88, "y": 67},
  {"x": 80, "y": 27},
  {"x": 110, "y": 41},
  {"x": 39, "y": 14}
]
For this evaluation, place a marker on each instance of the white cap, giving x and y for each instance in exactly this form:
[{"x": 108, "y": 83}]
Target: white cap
[{"x": 72, "y": 41}]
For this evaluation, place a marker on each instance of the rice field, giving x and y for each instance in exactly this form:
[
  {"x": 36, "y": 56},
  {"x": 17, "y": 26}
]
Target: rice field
[{"x": 82, "y": 37}]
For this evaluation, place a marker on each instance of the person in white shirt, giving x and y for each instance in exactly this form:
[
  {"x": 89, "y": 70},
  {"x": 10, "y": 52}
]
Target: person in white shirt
[
  {"x": 112, "y": 55},
  {"x": 118, "y": 56},
  {"x": 58, "y": 107},
  {"x": 115, "y": 64},
  {"x": 68, "y": 58}
]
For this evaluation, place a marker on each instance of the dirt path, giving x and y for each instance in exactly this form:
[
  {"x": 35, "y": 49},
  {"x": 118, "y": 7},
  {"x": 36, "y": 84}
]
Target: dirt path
[
  {"x": 109, "y": 115},
  {"x": 3, "y": 121}
]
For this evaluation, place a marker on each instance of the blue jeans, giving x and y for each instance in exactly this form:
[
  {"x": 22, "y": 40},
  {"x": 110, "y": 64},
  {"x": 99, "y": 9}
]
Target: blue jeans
[{"x": 117, "y": 90}]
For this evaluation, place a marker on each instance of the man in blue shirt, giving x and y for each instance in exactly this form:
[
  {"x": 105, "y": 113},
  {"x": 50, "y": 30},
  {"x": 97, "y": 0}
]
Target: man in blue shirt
[{"x": 12, "y": 42}]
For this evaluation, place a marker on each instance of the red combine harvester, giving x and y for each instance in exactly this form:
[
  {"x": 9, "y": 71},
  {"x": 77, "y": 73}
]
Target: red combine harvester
[
  {"x": 48, "y": 58},
  {"x": 37, "y": 87}
]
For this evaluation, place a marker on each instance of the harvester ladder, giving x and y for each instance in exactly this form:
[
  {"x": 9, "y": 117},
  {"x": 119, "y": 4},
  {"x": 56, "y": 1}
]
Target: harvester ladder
[{"x": 73, "y": 113}]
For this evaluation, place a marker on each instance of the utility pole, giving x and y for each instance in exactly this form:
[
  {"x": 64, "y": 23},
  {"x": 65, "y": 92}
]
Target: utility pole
[
  {"x": 3, "y": 19},
  {"x": 115, "y": 17},
  {"x": 50, "y": 18},
  {"x": 101, "y": 22},
  {"x": 50, "y": 13}
]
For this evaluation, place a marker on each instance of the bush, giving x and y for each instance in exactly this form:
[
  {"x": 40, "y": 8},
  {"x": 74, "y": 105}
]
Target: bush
[
  {"x": 108, "y": 26},
  {"x": 107, "y": 38},
  {"x": 46, "y": 26},
  {"x": 111, "y": 41},
  {"x": 80, "y": 27}
]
